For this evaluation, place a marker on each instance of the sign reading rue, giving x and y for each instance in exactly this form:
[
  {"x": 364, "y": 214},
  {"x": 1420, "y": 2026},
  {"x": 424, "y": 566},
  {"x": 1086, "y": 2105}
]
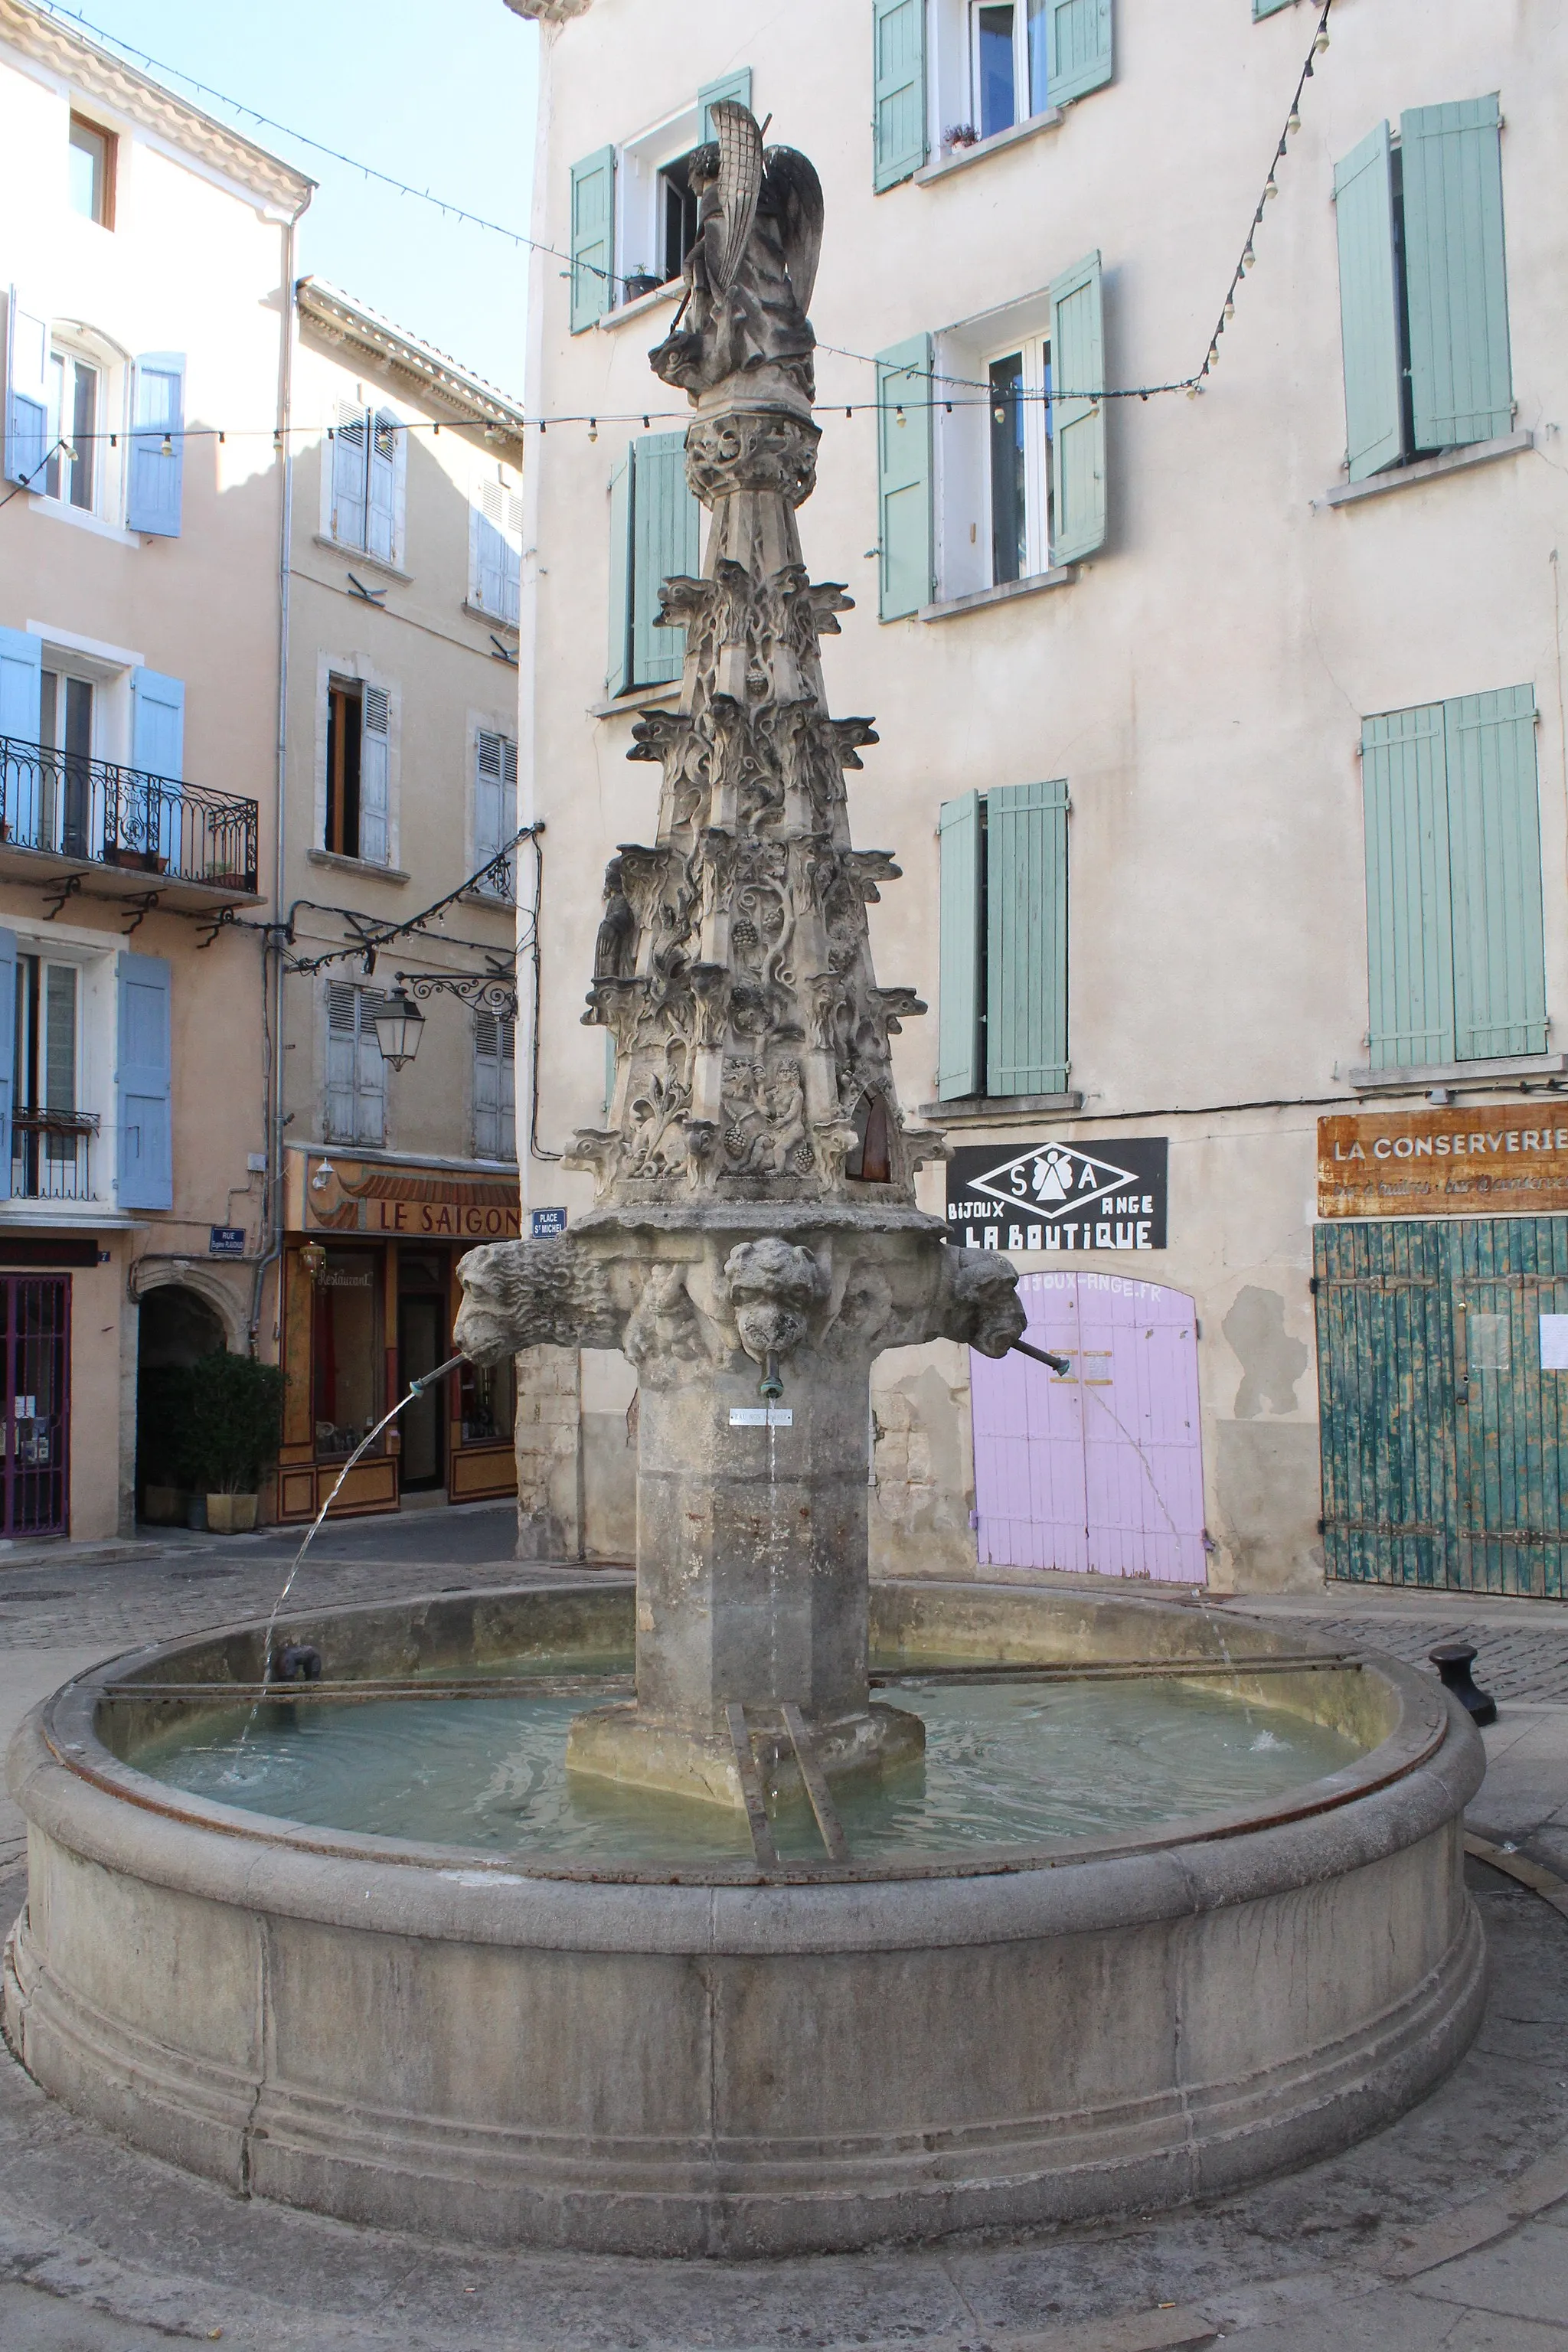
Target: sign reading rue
[
  {"x": 1059, "y": 1196},
  {"x": 1505, "y": 1159}
]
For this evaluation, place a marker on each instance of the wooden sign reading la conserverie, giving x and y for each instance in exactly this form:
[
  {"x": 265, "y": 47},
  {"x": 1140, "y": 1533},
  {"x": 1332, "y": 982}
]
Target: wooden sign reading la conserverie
[{"x": 1504, "y": 1160}]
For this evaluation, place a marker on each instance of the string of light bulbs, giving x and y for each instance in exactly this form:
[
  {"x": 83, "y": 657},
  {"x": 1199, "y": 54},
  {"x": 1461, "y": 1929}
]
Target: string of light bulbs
[{"x": 953, "y": 388}]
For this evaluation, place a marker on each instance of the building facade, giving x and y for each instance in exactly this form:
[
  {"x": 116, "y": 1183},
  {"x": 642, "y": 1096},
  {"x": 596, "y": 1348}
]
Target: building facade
[
  {"x": 401, "y": 799},
  {"x": 1222, "y": 741},
  {"x": 147, "y": 254}
]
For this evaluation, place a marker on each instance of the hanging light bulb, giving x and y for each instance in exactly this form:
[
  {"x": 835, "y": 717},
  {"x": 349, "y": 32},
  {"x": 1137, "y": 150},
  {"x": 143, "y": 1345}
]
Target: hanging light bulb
[
  {"x": 1270, "y": 187},
  {"x": 1248, "y": 258},
  {"x": 592, "y": 428},
  {"x": 1000, "y": 414},
  {"x": 898, "y": 416},
  {"x": 168, "y": 448},
  {"x": 1322, "y": 43},
  {"x": 1231, "y": 306},
  {"x": 1293, "y": 124}
]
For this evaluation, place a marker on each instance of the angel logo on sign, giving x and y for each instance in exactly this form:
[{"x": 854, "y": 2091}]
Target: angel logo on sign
[{"x": 1059, "y": 1196}]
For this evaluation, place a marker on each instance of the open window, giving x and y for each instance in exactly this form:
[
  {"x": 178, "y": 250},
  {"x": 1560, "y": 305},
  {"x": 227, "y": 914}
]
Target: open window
[
  {"x": 634, "y": 215},
  {"x": 358, "y": 741}
]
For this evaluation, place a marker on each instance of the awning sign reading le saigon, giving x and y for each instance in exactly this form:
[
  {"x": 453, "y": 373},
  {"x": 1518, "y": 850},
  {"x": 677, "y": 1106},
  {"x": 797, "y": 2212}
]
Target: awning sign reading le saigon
[{"x": 1502, "y": 1160}]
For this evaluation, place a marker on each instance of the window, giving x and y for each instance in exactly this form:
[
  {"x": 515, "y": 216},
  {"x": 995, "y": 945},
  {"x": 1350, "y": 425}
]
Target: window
[
  {"x": 680, "y": 216},
  {"x": 1007, "y": 61},
  {"x": 495, "y": 542},
  {"x": 991, "y": 448},
  {"x": 495, "y": 1087},
  {"x": 1455, "y": 955},
  {"x": 634, "y": 215},
  {"x": 356, "y": 1075},
  {"x": 948, "y": 73},
  {"x": 1423, "y": 287},
  {"x": 61, "y": 820},
  {"x": 358, "y": 746},
  {"x": 368, "y": 455},
  {"x": 91, "y": 158},
  {"x": 495, "y": 806},
  {"x": 1002, "y": 972},
  {"x": 74, "y": 400},
  {"x": 347, "y": 1342},
  {"x": 488, "y": 1401},
  {"x": 49, "y": 1136},
  {"x": 655, "y": 535}
]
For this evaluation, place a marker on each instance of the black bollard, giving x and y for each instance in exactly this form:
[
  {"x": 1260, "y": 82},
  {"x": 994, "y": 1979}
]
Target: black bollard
[{"x": 1453, "y": 1661}]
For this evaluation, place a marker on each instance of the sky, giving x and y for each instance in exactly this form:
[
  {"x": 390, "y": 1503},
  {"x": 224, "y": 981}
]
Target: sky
[{"x": 454, "y": 114}]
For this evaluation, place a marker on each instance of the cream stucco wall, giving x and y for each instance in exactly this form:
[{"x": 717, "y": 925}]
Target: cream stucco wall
[
  {"x": 198, "y": 262},
  {"x": 1200, "y": 683}
]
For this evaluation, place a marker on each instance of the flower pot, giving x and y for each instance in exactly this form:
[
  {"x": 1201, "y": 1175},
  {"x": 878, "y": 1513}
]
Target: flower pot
[
  {"x": 231, "y": 1515},
  {"x": 196, "y": 1514},
  {"x": 164, "y": 1507},
  {"x": 641, "y": 282}
]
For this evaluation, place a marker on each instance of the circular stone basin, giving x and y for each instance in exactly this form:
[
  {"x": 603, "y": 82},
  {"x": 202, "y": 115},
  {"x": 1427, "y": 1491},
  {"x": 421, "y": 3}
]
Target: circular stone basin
[{"x": 1131, "y": 1936}]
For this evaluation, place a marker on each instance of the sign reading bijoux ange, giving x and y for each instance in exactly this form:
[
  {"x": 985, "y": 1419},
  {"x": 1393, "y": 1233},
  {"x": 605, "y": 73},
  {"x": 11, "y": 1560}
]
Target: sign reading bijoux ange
[
  {"x": 1505, "y": 1159},
  {"x": 1059, "y": 1196}
]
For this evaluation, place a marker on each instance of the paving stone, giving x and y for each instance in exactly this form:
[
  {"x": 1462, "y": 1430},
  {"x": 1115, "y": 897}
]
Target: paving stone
[{"x": 1524, "y": 2275}]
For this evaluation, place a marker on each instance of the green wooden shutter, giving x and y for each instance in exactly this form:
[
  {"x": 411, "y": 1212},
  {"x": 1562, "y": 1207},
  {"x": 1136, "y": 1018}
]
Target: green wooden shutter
[
  {"x": 961, "y": 1068},
  {"x": 618, "y": 667},
  {"x": 1461, "y": 381},
  {"x": 665, "y": 541},
  {"x": 1269, "y": 7},
  {"x": 737, "y": 86},
  {"x": 1078, "y": 48},
  {"x": 1409, "y": 919},
  {"x": 1369, "y": 306},
  {"x": 1077, "y": 413},
  {"x": 593, "y": 237},
  {"x": 899, "y": 82},
  {"x": 1026, "y": 939},
  {"x": 904, "y": 534},
  {"x": 1494, "y": 857}
]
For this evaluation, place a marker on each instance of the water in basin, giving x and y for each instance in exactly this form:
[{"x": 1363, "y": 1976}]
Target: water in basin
[{"x": 1005, "y": 1765}]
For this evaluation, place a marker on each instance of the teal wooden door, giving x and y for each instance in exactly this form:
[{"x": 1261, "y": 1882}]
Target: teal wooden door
[{"x": 1443, "y": 1440}]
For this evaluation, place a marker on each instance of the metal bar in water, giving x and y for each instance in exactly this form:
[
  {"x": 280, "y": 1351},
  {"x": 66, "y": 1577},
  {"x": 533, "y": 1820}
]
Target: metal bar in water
[
  {"x": 1128, "y": 1670},
  {"x": 757, "y": 1820},
  {"x": 472, "y": 1686},
  {"x": 815, "y": 1779}
]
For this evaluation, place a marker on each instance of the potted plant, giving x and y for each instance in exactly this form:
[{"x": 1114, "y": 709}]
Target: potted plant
[
  {"x": 639, "y": 283},
  {"x": 235, "y": 1421}
]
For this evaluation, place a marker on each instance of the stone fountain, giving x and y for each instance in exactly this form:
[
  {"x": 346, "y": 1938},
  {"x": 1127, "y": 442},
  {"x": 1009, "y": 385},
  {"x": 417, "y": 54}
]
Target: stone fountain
[
  {"x": 755, "y": 1243},
  {"x": 758, "y": 2035}
]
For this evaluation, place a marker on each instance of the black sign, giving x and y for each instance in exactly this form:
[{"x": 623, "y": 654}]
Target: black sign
[
  {"x": 226, "y": 1241},
  {"x": 1059, "y": 1196}
]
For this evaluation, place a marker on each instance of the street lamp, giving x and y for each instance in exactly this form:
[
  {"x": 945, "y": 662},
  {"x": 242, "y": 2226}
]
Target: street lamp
[{"x": 397, "y": 1028}]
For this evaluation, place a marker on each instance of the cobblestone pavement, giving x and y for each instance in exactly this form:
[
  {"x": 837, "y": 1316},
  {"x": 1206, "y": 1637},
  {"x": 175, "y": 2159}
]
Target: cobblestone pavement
[{"x": 1448, "y": 2230}]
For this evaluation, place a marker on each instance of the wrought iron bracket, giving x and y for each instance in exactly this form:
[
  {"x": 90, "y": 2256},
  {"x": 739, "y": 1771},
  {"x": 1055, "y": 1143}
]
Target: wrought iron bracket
[
  {"x": 138, "y": 910},
  {"x": 486, "y": 991},
  {"x": 219, "y": 920},
  {"x": 64, "y": 890}
]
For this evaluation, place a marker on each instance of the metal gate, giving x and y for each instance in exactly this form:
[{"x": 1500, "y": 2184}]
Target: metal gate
[
  {"x": 1102, "y": 1470},
  {"x": 35, "y": 1326},
  {"x": 1444, "y": 1417}
]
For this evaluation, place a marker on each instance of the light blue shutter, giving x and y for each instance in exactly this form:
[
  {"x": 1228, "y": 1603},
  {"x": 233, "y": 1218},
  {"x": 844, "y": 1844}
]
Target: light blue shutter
[
  {"x": 1269, "y": 7},
  {"x": 142, "y": 1107},
  {"x": 374, "y": 778},
  {"x": 1026, "y": 939},
  {"x": 1461, "y": 379},
  {"x": 1077, "y": 411},
  {"x": 960, "y": 845},
  {"x": 155, "y": 482},
  {"x": 1494, "y": 858},
  {"x": 343, "y": 1034},
  {"x": 26, "y": 389},
  {"x": 737, "y": 86},
  {"x": 349, "y": 444},
  {"x": 1369, "y": 306},
  {"x": 381, "y": 530},
  {"x": 7, "y": 1053},
  {"x": 618, "y": 669},
  {"x": 1078, "y": 48},
  {"x": 21, "y": 714},
  {"x": 593, "y": 237},
  {"x": 666, "y": 543},
  {"x": 904, "y": 531},
  {"x": 1409, "y": 902},
  {"x": 899, "y": 83},
  {"x": 158, "y": 724}
]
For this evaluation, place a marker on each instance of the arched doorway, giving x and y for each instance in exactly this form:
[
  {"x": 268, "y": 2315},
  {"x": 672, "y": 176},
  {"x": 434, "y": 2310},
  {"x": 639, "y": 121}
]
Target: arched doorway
[
  {"x": 1102, "y": 1470},
  {"x": 176, "y": 1328}
]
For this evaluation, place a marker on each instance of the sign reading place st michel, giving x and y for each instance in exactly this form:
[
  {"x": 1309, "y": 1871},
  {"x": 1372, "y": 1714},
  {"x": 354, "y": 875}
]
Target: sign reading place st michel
[{"x": 1504, "y": 1160}]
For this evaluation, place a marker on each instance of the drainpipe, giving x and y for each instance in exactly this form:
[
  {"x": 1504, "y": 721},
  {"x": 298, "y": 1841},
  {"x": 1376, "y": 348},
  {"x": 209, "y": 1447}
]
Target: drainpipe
[{"x": 272, "y": 958}]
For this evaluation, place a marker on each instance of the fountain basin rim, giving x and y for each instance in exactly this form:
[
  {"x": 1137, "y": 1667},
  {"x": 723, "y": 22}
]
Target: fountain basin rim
[
  {"x": 72, "y": 1786},
  {"x": 761, "y": 1216}
]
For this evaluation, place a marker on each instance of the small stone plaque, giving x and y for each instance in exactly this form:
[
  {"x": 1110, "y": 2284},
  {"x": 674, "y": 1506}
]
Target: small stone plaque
[{"x": 762, "y": 1416}]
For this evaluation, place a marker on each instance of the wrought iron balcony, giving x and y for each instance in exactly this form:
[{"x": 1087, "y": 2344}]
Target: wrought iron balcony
[
  {"x": 130, "y": 830},
  {"x": 50, "y": 1154}
]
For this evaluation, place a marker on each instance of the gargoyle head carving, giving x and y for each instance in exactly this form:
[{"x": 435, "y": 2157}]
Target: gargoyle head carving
[{"x": 772, "y": 1288}]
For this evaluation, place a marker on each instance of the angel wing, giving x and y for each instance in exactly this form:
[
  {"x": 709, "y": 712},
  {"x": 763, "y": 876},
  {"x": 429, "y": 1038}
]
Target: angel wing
[
  {"x": 740, "y": 184},
  {"x": 792, "y": 191}
]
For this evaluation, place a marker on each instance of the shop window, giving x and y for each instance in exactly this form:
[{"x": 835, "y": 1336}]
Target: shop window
[
  {"x": 348, "y": 1373},
  {"x": 92, "y": 159},
  {"x": 489, "y": 1402}
]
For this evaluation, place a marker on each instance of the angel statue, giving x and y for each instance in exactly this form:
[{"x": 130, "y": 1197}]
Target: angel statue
[{"x": 750, "y": 273}]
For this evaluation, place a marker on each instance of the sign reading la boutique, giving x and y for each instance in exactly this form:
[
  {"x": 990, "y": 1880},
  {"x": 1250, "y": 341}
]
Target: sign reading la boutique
[
  {"x": 1059, "y": 1196},
  {"x": 1499, "y": 1159}
]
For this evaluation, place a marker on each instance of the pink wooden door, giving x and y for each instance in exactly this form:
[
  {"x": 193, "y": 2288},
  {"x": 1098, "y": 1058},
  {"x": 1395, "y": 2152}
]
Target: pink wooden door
[{"x": 1103, "y": 1469}]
